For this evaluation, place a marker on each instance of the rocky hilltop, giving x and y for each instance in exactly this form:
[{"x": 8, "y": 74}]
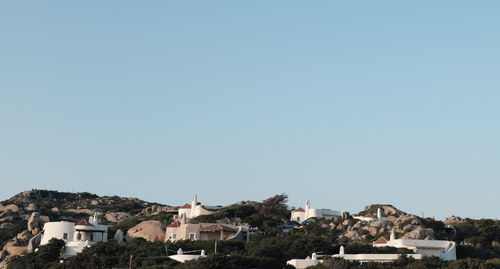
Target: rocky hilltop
[
  {"x": 22, "y": 218},
  {"x": 23, "y": 215}
]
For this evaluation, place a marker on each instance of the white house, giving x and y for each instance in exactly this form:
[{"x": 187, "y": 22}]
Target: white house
[
  {"x": 446, "y": 250},
  {"x": 192, "y": 211},
  {"x": 371, "y": 218},
  {"x": 304, "y": 263},
  {"x": 302, "y": 214},
  {"x": 362, "y": 258},
  {"x": 76, "y": 235},
  {"x": 183, "y": 256},
  {"x": 181, "y": 230}
]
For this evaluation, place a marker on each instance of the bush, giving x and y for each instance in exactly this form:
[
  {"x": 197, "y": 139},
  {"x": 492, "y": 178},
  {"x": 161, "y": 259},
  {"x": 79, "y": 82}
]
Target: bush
[
  {"x": 46, "y": 257},
  {"x": 220, "y": 261}
]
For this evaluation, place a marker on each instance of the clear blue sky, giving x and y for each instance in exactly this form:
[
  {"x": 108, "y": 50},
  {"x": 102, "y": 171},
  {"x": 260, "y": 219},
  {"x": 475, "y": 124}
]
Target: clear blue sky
[{"x": 344, "y": 103}]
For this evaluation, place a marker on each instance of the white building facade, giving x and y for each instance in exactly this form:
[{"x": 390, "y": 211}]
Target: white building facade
[
  {"x": 76, "y": 235},
  {"x": 183, "y": 257},
  {"x": 305, "y": 263},
  {"x": 192, "y": 211},
  {"x": 302, "y": 214},
  {"x": 369, "y": 219},
  {"x": 446, "y": 250}
]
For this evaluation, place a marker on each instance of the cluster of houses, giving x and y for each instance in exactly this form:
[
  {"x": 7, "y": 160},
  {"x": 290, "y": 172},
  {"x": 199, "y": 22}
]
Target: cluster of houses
[
  {"x": 446, "y": 250},
  {"x": 181, "y": 229},
  {"x": 88, "y": 232}
]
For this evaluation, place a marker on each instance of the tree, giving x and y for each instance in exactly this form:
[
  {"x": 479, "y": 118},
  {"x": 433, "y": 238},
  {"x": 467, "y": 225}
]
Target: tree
[{"x": 46, "y": 257}]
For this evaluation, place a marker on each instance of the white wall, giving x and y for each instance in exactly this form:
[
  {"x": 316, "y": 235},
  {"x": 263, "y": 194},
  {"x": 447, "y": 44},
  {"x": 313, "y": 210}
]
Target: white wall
[{"x": 57, "y": 230}]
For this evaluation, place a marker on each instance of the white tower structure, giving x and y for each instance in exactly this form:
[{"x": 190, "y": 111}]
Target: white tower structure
[{"x": 193, "y": 212}]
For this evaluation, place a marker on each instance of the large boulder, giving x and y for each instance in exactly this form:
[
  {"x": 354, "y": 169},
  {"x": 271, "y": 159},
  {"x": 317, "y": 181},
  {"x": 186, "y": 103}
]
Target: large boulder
[
  {"x": 151, "y": 230},
  {"x": 12, "y": 208},
  {"x": 408, "y": 227},
  {"x": 34, "y": 222},
  {"x": 32, "y": 207},
  {"x": 154, "y": 210},
  {"x": 14, "y": 249},
  {"x": 347, "y": 222},
  {"x": 81, "y": 211},
  {"x": 24, "y": 235},
  {"x": 373, "y": 231},
  {"x": 56, "y": 210},
  {"x": 452, "y": 220},
  {"x": 353, "y": 235},
  {"x": 391, "y": 219},
  {"x": 390, "y": 210},
  {"x": 377, "y": 224},
  {"x": 415, "y": 234},
  {"x": 116, "y": 216},
  {"x": 416, "y": 221},
  {"x": 405, "y": 219}
]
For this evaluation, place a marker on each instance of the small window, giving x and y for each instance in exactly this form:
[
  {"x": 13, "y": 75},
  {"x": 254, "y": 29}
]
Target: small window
[
  {"x": 298, "y": 218},
  {"x": 91, "y": 237},
  {"x": 79, "y": 236},
  {"x": 192, "y": 236},
  {"x": 171, "y": 236},
  {"x": 65, "y": 236}
]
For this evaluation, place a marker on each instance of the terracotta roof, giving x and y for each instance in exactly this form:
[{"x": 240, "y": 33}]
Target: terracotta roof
[
  {"x": 300, "y": 209},
  {"x": 186, "y": 206},
  {"x": 84, "y": 223},
  {"x": 380, "y": 240},
  {"x": 216, "y": 228},
  {"x": 174, "y": 224}
]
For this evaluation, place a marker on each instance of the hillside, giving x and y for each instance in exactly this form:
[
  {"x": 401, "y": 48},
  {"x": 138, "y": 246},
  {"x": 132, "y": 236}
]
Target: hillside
[
  {"x": 56, "y": 206},
  {"x": 273, "y": 242}
]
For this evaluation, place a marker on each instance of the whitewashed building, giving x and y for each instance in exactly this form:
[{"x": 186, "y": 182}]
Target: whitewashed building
[
  {"x": 369, "y": 257},
  {"x": 446, "y": 250},
  {"x": 76, "y": 235},
  {"x": 302, "y": 214},
  {"x": 304, "y": 263},
  {"x": 369, "y": 218},
  {"x": 183, "y": 256},
  {"x": 181, "y": 230},
  {"x": 192, "y": 210}
]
